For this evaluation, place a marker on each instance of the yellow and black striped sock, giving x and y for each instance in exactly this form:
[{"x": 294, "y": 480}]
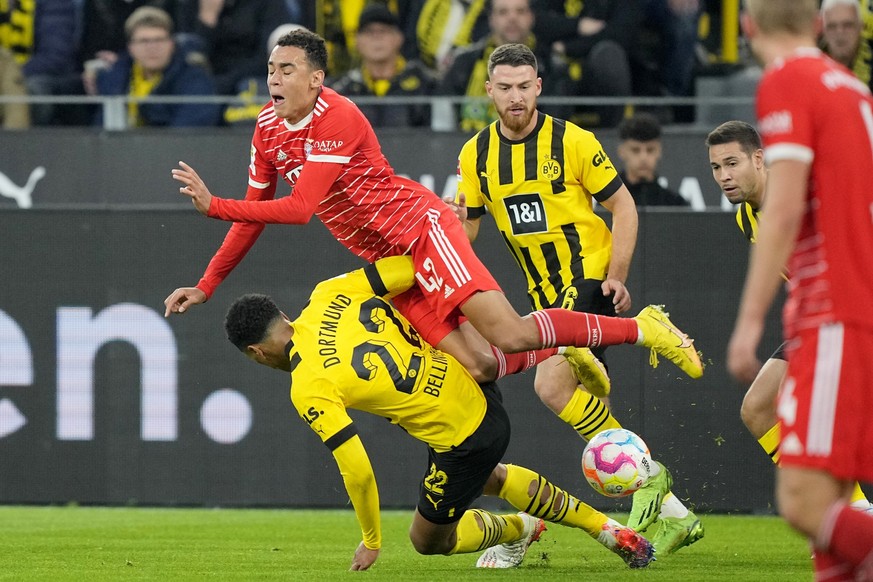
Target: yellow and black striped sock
[
  {"x": 494, "y": 529},
  {"x": 535, "y": 495},
  {"x": 587, "y": 415},
  {"x": 770, "y": 442}
]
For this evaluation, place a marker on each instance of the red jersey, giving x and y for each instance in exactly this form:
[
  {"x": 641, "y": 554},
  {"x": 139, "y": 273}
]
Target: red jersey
[
  {"x": 334, "y": 164},
  {"x": 813, "y": 110}
]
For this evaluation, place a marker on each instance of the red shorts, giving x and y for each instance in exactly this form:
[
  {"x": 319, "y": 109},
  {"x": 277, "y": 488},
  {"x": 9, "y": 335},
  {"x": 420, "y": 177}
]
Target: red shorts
[
  {"x": 825, "y": 399},
  {"x": 447, "y": 272}
]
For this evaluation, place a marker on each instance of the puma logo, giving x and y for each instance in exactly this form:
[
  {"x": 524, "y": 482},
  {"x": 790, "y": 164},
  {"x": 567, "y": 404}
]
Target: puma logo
[
  {"x": 432, "y": 502},
  {"x": 21, "y": 194}
]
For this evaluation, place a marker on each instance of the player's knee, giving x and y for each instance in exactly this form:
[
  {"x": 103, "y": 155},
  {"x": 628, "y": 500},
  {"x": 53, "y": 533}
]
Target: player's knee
[
  {"x": 759, "y": 415},
  {"x": 791, "y": 508},
  {"x": 550, "y": 394},
  {"x": 428, "y": 545}
]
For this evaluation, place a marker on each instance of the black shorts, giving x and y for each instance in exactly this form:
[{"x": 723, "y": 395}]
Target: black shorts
[
  {"x": 586, "y": 296},
  {"x": 455, "y": 479}
]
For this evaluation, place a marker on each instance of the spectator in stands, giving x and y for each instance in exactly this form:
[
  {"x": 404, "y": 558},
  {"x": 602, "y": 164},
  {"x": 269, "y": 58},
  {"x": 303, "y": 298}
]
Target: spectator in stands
[
  {"x": 42, "y": 37},
  {"x": 12, "y": 115},
  {"x": 435, "y": 28},
  {"x": 155, "y": 66},
  {"x": 509, "y": 21},
  {"x": 234, "y": 33},
  {"x": 597, "y": 39},
  {"x": 384, "y": 72},
  {"x": 103, "y": 27},
  {"x": 674, "y": 24},
  {"x": 640, "y": 151},
  {"x": 842, "y": 37}
]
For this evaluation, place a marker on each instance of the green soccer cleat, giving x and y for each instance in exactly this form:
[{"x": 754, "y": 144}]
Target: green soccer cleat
[
  {"x": 647, "y": 500},
  {"x": 666, "y": 339},
  {"x": 676, "y": 532},
  {"x": 589, "y": 370}
]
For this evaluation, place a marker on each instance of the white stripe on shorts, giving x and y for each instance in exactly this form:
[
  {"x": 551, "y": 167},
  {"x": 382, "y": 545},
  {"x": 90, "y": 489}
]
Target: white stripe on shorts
[
  {"x": 456, "y": 267},
  {"x": 825, "y": 389}
]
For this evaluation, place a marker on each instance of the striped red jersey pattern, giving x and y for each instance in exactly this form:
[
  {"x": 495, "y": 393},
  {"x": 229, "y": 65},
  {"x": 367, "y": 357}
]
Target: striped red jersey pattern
[
  {"x": 334, "y": 165},
  {"x": 829, "y": 125}
]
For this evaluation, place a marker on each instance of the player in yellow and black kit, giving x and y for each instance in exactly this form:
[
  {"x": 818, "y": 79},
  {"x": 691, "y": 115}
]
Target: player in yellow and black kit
[
  {"x": 736, "y": 156},
  {"x": 349, "y": 348},
  {"x": 538, "y": 176}
]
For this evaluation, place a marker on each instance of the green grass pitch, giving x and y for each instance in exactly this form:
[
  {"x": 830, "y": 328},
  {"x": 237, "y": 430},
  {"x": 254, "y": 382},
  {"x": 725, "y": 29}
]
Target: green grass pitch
[{"x": 94, "y": 544}]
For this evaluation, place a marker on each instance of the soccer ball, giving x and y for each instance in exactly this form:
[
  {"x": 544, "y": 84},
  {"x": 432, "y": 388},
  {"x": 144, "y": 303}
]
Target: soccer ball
[{"x": 616, "y": 462}]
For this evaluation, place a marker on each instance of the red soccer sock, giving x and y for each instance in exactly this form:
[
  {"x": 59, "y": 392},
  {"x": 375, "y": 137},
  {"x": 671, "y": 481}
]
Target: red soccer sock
[
  {"x": 514, "y": 363},
  {"x": 560, "y": 327},
  {"x": 847, "y": 535}
]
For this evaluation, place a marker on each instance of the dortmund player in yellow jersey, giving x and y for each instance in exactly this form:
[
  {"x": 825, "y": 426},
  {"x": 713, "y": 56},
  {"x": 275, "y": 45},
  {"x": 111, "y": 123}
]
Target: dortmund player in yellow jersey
[
  {"x": 537, "y": 175},
  {"x": 736, "y": 156},
  {"x": 350, "y": 348}
]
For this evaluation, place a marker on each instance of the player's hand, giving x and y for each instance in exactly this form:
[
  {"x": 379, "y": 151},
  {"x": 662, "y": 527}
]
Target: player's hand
[
  {"x": 459, "y": 207},
  {"x": 742, "y": 361},
  {"x": 182, "y": 298},
  {"x": 194, "y": 187},
  {"x": 364, "y": 557},
  {"x": 621, "y": 298}
]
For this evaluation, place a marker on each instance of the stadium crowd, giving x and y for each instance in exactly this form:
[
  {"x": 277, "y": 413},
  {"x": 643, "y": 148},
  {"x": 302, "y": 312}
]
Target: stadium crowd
[{"x": 376, "y": 48}]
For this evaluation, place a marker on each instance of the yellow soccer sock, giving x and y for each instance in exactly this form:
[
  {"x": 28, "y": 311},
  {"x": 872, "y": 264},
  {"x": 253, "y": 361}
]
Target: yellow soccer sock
[
  {"x": 859, "y": 500},
  {"x": 494, "y": 529},
  {"x": 587, "y": 415},
  {"x": 770, "y": 442},
  {"x": 549, "y": 502}
]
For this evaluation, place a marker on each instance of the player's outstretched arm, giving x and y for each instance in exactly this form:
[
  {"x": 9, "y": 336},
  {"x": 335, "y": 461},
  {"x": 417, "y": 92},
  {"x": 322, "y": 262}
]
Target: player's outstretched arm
[
  {"x": 360, "y": 481},
  {"x": 182, "y": 298}
]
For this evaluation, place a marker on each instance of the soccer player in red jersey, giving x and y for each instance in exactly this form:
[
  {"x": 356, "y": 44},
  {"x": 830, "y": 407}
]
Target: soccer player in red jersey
[
  {"x": 816, "y": 121},
  {"x": 322, "y": 145}
]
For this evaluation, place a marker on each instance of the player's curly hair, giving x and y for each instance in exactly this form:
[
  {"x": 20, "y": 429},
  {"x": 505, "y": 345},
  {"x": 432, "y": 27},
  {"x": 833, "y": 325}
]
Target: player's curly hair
[
  {"x": 312, "y": 45},
  {"x": 249, "y": 318}
]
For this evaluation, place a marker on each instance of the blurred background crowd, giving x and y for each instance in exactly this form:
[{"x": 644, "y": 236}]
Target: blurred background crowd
[{"x": 606, "y": 49}]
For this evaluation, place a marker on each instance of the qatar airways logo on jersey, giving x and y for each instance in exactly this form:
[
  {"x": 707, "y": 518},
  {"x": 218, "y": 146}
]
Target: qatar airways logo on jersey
[
  {"x": 322, "y": 145},
  {"x": 776, "y": 123}
]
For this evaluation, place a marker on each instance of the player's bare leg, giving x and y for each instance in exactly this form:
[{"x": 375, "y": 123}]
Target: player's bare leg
[
  {"x": 473, "y": 352},
  {"x": 495, "y": 318},
  {"x": 758, "y": 410}
]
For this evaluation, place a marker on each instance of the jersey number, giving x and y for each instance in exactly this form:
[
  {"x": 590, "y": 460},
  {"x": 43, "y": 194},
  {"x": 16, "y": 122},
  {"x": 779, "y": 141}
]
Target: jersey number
[{"x": 366, "y": 357}]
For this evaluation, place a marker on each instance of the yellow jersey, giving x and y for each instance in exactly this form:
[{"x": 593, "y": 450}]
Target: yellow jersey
[
  {"x": 747, "y": 220},
  {"x": 352, "y": 349},
  {"x": 540, "y": 191}
]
